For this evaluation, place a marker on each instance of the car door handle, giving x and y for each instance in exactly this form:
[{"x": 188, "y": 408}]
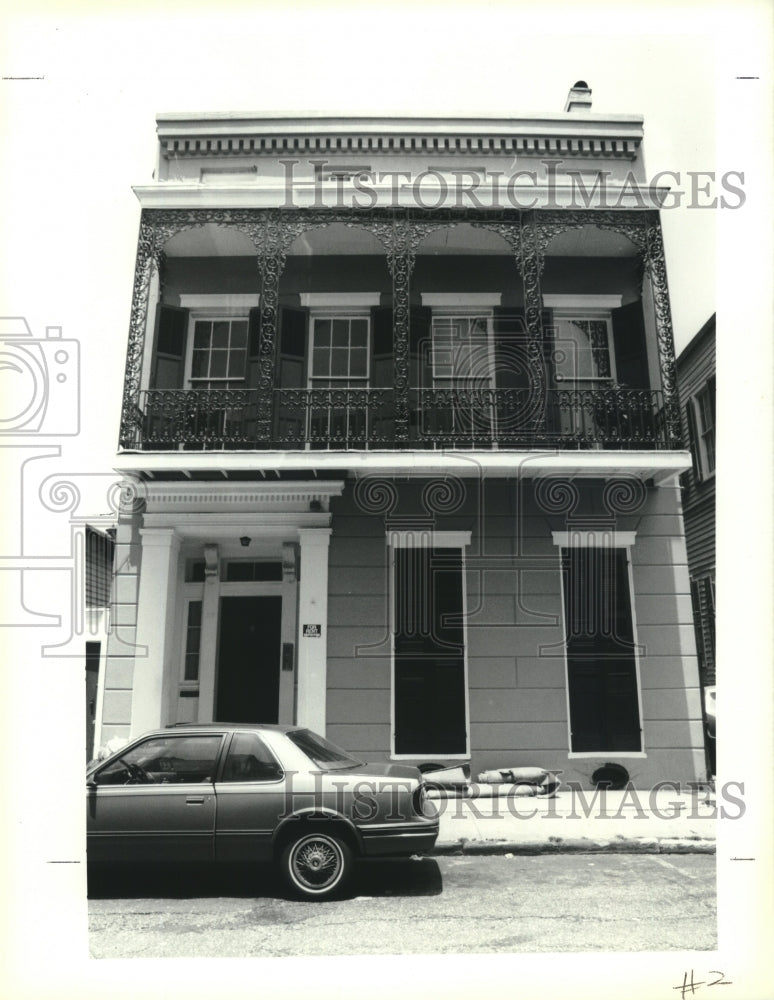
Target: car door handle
[{"x": 195, "y": 800}]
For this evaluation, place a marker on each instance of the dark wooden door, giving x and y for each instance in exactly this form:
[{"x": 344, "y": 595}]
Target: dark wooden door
[{"x": 249, "y": 659}]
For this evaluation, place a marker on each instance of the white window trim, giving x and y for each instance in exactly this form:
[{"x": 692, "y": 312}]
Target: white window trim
[
  {"x": 572, "y": 303},
  {"x": 221, "y": 304},
  {"x": 462, "y": 301},
  {"x": 594, "y": 538},
  {"x": 427, "y": 538},
  {"x": 340, "y": 301}
]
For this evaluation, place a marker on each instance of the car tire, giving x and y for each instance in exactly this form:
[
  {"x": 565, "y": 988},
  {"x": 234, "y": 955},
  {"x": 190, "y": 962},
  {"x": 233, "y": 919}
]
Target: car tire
[{"x": 316, "y": 865}]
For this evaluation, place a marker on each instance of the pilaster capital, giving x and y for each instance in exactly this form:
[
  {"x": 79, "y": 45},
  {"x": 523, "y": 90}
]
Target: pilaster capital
[
  {"x": 314, "y": 537},
  {"x": 163, "y": 538}
]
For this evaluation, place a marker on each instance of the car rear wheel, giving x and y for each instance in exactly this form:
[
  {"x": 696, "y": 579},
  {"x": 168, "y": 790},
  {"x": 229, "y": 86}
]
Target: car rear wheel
[{"x": 316, "y": 865}]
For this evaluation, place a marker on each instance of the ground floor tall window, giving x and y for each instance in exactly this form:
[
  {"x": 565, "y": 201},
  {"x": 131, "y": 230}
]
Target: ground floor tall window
[
  {"x": 603, "y": 690},
  {"x": 430, "y": 708}
]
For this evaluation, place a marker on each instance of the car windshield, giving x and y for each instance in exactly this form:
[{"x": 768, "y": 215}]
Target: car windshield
[{"x": 325, "y": 754}]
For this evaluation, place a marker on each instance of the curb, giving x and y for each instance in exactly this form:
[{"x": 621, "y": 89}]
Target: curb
[{"x": 581, "y": 845}]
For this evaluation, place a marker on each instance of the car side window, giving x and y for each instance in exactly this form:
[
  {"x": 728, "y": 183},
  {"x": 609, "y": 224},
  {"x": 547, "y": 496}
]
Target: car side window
[
  {"x": 249, "y": 759},
  {"x": 164, "y": 760}
]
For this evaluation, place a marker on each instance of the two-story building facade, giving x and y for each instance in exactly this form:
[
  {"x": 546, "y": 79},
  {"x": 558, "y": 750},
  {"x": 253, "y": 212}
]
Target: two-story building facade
[{"x": 401, "y": 440}]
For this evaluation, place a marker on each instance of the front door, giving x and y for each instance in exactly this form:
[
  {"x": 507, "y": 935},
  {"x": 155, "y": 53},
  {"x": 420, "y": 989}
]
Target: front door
[{"x": 249, "y": 650}]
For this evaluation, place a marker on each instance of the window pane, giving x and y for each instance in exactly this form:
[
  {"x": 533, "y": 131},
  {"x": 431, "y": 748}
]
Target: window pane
[
  {"x": 236, "y": 364},
  {"x": 218, "y": 362},
  {"x": 239, "y": 333},
  {"x": 321, "y": 360},
  {"x": 202, "y": 332},
  {"x": 165, "y": 760},
  {"x": 179, "y": 760},
  {"x": 191, "y": 667},
  {"x": 340, "y": 332},
  {"x": 322, "y": 332},
  {"x": 199, "y": 364},
  {"x": 359, "y": 332},
  {"x": 239, "y": 571},
  {"x": 249, "y": 759},
  {"x": 321, "y": 751},
  {"x": 339, "y": 361},
  {"x": 358, "y": 366},
  {"x": 220, "y": 333}
]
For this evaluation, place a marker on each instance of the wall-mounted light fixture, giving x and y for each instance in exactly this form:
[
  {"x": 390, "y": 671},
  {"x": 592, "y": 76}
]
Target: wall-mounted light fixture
[{"x": 244, "y": 541}]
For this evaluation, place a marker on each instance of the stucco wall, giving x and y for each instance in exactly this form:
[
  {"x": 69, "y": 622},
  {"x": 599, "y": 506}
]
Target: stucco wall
[{"x": 517, "y": 690}]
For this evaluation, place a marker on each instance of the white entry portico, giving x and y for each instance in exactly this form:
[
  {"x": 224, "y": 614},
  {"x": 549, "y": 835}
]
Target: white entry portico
[{"x": 231, "y": 610}]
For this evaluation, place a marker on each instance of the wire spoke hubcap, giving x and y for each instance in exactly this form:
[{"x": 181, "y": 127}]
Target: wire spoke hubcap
[{"x": 316, "y": 863}]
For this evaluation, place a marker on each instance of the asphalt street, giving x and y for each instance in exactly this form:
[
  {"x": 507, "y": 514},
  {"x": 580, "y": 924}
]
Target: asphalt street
[{"x": 441, "y": 905}]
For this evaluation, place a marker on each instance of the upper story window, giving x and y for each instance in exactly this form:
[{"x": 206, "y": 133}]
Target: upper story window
[
  {"x": 582, "y": 348},
  {"x": 339, "y": 355},
  {"x": 583, "y": 344},
  {"x": 219, "y": 353},
  {"x": 700, "y": 410},
  {"x": 462, "y": 342},
  {"x": 340, "y": 348},
  {"x": 461, "y": 348}
]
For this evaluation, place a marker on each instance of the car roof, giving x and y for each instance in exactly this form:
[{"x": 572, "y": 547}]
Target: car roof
[{"x": 230, "y": 726}]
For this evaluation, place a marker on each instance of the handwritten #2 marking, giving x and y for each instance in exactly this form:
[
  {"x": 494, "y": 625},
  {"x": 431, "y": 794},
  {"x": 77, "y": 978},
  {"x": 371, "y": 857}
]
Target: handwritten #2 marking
[{"x": 691, "y": 986}]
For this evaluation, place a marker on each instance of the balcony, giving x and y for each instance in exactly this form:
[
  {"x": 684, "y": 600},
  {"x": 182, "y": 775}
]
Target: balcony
[{"x": 308, "y": 419}]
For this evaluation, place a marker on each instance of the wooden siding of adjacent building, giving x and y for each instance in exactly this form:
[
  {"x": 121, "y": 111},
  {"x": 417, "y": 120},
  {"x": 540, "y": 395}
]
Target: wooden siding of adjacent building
[{"x": 695, "y": 367}]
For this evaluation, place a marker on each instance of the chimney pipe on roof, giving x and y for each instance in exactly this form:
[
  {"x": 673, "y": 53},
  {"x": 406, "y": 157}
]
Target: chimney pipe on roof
[{"x": 579, "y": 98}]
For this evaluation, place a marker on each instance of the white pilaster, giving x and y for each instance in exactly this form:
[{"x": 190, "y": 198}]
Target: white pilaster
[
  {"x": 155, "y": 626},
  {"x": 208, "y": 649},
  {"x": 313, "y": 611}
]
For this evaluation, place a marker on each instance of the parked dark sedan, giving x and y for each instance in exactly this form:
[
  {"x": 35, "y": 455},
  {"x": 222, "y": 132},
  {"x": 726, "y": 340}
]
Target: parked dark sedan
[{"x": 244, "y": 793}]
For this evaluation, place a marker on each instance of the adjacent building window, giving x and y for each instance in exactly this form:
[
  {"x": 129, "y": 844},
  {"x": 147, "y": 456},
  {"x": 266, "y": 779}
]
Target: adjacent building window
[
  {"x": 430, "y": 701},
  {"x": 700, "y": 411},
  {"x": 603, "y": 689}
]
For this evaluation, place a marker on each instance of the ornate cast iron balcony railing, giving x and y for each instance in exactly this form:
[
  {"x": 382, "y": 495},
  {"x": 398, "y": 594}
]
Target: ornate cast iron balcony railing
[{"x": 364, "y": 419}]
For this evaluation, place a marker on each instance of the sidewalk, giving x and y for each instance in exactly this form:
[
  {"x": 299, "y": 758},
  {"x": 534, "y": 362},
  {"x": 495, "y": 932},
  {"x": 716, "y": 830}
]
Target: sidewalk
[{"x": 491, "y": 819}]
